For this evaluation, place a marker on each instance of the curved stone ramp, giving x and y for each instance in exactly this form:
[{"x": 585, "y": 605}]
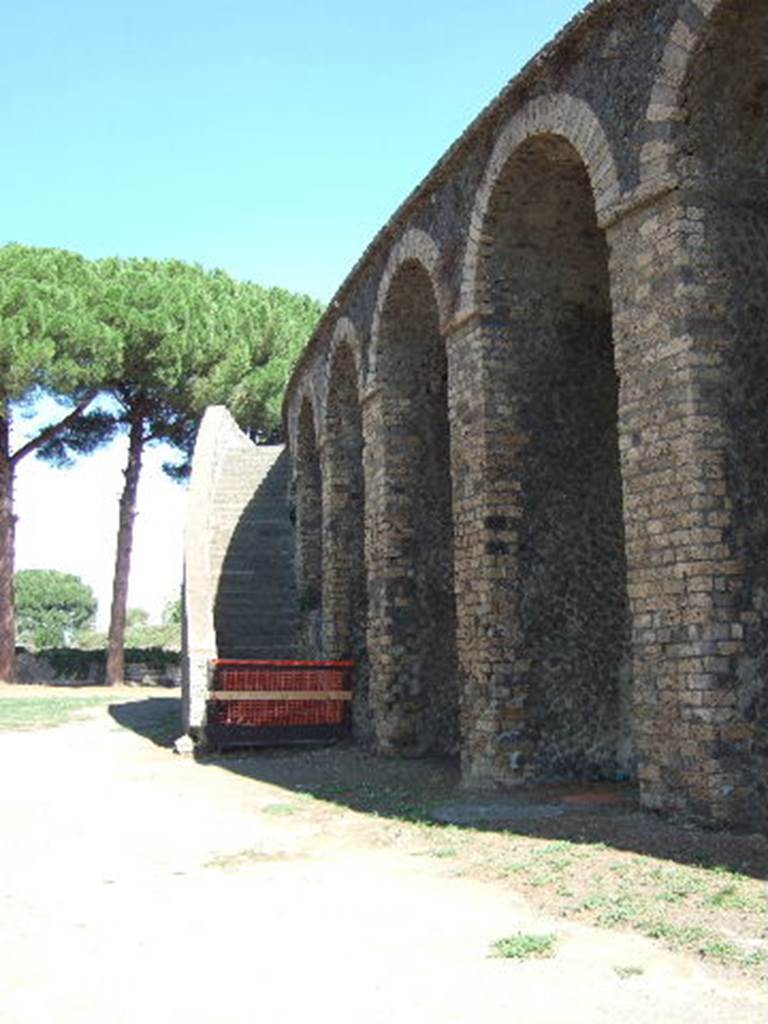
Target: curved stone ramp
[{"x": 239, "y": 591}]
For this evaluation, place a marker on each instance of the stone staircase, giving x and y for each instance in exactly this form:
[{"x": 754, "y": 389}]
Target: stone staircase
[
  {"x": 240, "y": 598},
  {"x": 255, "y": 606}
]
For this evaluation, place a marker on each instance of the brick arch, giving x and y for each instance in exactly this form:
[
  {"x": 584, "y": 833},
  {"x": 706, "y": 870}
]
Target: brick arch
[
  {"x": 559, "y": 115},
  {"x": 412, "y": 631},
  {"x": 666, "y": 108},
  {"x": 416, "y": 246},
  {"x": 539, "y": 332},
  {"x": 344, "y": 333},
  {"x": 303, "y": 397}
]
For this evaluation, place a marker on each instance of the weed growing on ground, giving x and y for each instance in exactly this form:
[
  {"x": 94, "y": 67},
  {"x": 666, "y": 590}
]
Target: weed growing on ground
[
  {"x": 523, "y": 946},
  {"x": 628, "y": 971},
  {"x": 731, "y": 897},
  {"x": 715, "y": 913},
  {"x": 279, "y": 809},
  {"x": 243, "y": 859}
]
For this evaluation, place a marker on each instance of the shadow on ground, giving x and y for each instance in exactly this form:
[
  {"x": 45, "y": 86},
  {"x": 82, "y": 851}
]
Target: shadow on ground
[
  {"x": 429, "y": 790},
  {"x": 157, "y": 718}
]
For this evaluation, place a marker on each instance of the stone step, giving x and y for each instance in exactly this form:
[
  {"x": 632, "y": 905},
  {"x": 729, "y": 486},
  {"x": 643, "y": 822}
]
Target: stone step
[
  {"x": 250, "y": 626},
  {"x": 255, "y": 591},
  {"x": 251, "y": 539}
]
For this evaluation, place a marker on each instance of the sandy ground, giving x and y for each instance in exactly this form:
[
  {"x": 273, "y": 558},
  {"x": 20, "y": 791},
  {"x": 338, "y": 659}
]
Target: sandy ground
[{"x": 124, "y": 898}]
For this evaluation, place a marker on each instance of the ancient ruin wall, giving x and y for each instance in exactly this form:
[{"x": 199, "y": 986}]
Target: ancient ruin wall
[{"x": 570, "y": 313}]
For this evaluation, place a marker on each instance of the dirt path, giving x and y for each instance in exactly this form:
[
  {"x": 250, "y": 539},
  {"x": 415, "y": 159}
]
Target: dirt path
[{"x": 137, "y": 886}]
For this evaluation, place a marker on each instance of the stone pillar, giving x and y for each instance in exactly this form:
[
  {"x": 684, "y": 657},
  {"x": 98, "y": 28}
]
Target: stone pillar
[
  {"x": 343, "y": 598},
  {"x": 682, "y": 573},
  {"x": 485, "y": 443},
  {"x": 308, "y": 487},
  {"x": 395, "y": 693},
  {"x": 334, "y": 560},
  {"x": 385, "y": 572}
]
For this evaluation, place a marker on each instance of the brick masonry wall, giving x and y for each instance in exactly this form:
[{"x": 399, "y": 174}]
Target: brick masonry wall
[{"x": 570, "y": 313}]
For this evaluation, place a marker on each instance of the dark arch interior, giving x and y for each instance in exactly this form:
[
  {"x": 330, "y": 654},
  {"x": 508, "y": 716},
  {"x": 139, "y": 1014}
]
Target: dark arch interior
[
  {"x": 545, "y": 293},
  {"x": 412, "y": 370},
  {"x": 309, "y": 525},
  {"x": 344, "y": 576},
  {"x": 725, "y": 142}
]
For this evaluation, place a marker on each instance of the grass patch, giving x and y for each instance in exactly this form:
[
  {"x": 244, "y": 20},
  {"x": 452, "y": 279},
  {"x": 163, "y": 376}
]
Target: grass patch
[
  {"x": 711, "y": 912},
  {"x": 18, "y": 714},
  {"x": 676, "y": 885},
  {"x": 621, "y": 912},
  {"x": 628, "y": 971},
  {"x": 675, "y": 936},
  {"x": 524, "y": 946},
  {"x": 706, "y": 943},
  {"x": 243, "y": 859},
  {"x": 280, "y": 810},
  {"x": 731, "y": 897}
]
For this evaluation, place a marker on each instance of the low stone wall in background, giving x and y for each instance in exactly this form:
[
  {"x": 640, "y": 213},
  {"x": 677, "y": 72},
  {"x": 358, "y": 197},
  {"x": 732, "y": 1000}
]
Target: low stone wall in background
[{"x": 72, "y": 667}]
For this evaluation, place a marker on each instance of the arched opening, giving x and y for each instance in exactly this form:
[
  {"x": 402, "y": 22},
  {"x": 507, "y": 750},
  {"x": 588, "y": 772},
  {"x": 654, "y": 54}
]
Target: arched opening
[
  {"x": 309, "y": 528},
  {"x": 544, "y": 293},
  {"x": 725, "y": 142},
  {"x": 345, "y": 596},
  {"x": 412, "y": 372}
]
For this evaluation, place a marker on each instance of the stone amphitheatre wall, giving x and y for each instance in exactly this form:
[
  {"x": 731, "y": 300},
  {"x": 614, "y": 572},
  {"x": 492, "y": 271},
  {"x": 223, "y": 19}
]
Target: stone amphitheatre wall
[{"x": 530, "y": 435}]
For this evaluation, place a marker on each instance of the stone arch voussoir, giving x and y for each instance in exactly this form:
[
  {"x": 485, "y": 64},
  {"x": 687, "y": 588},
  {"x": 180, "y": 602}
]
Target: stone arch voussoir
[
  {"x": 666, "y": 107},
  {"x": 561, "y": 115},
  {"x": 416, "y": 246},
  {"x": 302, "y": 396},
  {"x": 344, "y": 333}
]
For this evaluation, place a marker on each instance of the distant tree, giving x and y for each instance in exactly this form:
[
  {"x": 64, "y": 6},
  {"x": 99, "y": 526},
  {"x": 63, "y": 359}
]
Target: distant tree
[
  {"x": 136, "y": 618},
  {"x": 189, "y": 338},
  {"x": 174, "y": 321},
  {"x": 52, "y": 607},
  {"x": 140, "y": 632},
  {"x": 172, "y": 612},
  {"x": 52, "y": 342}
]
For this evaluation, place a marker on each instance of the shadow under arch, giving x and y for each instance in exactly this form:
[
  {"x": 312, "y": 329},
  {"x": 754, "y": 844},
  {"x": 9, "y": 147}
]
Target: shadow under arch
[
  {"x": 412, "y": 634},
  {"x": 543, "y": 290}
]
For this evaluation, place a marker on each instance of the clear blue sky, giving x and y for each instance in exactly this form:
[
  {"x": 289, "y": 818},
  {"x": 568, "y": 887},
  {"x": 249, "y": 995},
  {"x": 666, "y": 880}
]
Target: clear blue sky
[{"x": 273, "y": 140}]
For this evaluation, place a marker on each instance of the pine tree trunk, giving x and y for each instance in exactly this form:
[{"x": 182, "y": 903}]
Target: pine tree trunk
[
  {"x": 7, "y": 532},
  {"x": 116, "y": 644}
]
